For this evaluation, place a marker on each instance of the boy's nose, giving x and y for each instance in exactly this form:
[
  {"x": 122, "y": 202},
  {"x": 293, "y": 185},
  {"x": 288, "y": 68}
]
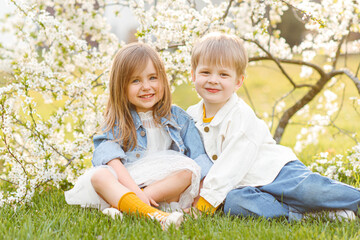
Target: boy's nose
[{"x": 213, "y": 79}]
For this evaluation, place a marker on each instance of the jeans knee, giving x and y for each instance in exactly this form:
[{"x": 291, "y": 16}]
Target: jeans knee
[
  {"x": 235, "y": 197},
  {"x": 233, "y": 206},
  {"x": 314, "y": 190}
]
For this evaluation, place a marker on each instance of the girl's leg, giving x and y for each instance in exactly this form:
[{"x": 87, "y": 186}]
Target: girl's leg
[
  {"x": 250, "y": 201},
  {"x": 170, "y": 188},
  {"x": 108, "y": 187},
  {"x": 306, "y": 191}
]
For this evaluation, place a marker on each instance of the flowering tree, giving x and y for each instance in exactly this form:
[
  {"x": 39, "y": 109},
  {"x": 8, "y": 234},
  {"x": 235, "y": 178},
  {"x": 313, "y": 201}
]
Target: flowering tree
[{"x": 63, "y": 50}]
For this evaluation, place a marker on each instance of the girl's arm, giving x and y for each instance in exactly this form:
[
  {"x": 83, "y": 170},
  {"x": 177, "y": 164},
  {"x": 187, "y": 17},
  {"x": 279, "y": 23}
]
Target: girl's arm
[
  {"x": 126, "y": 180},
  {"x": 106, "y": 149},
  {"x": 193, "y": 141}
]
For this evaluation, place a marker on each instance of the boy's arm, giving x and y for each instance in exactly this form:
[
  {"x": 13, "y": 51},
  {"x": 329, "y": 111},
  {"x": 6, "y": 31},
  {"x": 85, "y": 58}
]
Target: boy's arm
[{"x": 233, "y": 163}]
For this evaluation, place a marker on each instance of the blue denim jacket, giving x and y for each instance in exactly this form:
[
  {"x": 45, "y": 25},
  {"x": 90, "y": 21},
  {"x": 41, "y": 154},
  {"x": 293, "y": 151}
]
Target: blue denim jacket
[{"x": 181, "y": 128}]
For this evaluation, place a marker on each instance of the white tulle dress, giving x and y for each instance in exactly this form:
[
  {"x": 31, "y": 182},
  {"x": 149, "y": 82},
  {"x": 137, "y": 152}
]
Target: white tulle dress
[{"x": 158, "y": 163}]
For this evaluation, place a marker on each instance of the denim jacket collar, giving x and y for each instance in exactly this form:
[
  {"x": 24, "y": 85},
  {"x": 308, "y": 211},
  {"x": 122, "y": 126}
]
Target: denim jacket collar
[{"x": 164, "y": 121}]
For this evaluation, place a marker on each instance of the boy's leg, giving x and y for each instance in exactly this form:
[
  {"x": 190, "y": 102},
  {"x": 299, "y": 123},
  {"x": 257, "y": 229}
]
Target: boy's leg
[
  {"x": 170, "y": 188},
  {"x": 306, "y": 191},
  {"x": 250, "y": 201}
]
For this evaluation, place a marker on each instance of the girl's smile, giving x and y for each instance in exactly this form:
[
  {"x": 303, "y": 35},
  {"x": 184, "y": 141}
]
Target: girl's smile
[{"x": 147, "y": 96}]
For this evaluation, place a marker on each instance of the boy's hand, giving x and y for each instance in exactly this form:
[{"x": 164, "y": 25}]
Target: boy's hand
[
  {"x": 198, "y": 196},
  {"x": 204, "y": 206},
  {"x": 193, "y": 212},
  {"x": 196, "y": 201}
]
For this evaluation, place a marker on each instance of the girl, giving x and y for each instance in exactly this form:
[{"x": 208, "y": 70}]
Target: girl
[{"x": 145, "y": 154}]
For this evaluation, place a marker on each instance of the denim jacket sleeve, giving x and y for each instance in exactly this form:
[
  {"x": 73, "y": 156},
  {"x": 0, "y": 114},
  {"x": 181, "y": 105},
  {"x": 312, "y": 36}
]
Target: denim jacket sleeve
[
  {"x": 106, "y": 149},
  {"x": 193, "y": 142}
]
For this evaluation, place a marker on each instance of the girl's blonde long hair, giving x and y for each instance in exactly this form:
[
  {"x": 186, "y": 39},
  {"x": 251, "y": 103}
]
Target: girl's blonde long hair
[{"x": 130, "y": 60}]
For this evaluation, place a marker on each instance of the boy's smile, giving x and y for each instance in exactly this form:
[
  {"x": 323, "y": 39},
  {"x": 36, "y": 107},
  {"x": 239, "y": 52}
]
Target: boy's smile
[
  {"x": 215, "y": 84},
  {"x": 212, "y": 90}
]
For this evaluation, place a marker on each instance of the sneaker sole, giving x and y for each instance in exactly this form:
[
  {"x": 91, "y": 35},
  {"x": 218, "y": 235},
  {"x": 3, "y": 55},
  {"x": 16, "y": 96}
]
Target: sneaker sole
[
  {"x": 113, "y": 213},
  {"x": 175, "y": 218}
]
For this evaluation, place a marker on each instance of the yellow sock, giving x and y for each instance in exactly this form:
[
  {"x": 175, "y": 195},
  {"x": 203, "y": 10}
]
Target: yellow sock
[{"x": 130, "y": 203}]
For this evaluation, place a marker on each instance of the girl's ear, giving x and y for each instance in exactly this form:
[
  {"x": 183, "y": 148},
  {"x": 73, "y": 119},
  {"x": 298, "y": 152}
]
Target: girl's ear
[{"x": 239, "y": 82}]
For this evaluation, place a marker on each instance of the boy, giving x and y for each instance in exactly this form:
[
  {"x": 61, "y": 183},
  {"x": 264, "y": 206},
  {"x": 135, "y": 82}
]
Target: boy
[{"x": 254, "y": 175}]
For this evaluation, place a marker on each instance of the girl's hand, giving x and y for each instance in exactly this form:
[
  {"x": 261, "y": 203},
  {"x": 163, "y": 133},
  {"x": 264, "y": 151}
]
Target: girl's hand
[
  {"x": 143, "y": 197},
  {"x": 151, "y": 200}
]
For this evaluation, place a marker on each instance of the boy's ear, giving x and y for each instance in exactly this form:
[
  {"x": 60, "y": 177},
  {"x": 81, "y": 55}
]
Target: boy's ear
[
  {"x": 239, "y": 82},
  {"x": 192, "y": 75}
]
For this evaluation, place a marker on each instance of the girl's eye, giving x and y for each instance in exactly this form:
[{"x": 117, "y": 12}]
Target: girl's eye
[
  {"x": 135, "y": 81},
  {"x": 153, "y": 78}
]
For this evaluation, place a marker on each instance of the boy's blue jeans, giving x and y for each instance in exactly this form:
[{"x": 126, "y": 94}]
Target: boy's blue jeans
[{"x": 294, "y": 191}]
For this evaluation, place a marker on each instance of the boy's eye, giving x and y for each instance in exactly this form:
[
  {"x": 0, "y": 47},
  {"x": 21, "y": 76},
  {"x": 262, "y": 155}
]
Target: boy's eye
[
  {"x": 205, "y": 72},
  {"x": 224, "y": 74}
]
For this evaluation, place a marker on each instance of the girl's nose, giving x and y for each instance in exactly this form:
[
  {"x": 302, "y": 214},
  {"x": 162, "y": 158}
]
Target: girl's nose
[{"x": 146, "y": 84}]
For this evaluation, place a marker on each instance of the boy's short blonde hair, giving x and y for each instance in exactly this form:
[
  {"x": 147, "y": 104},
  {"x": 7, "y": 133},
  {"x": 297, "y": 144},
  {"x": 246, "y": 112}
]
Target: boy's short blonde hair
[{"x": 219, "y": 49}]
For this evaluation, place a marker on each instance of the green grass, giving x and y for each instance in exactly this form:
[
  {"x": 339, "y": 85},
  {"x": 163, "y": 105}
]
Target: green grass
[{"x": 49, "y": 217}]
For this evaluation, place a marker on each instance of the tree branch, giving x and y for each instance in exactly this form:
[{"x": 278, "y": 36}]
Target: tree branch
[
  {"x": 338, "y": 51},
  {"x": 295, "y": 62},
  {"x": 271, "y": 57},
  {"x": 249, "y": 97},
  {"x": 227, "y": 10},
  {"x": 44, "y": 142},
  {"x": 2, "y": 179},
  {"x": 276, "y": 102},
  {"x": 290, "y": 112},
  {"x": 350, "y": 75}
]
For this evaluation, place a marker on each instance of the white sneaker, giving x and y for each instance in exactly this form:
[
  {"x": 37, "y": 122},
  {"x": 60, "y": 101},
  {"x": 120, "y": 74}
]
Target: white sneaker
[
  {"x": 339, "y": 215},
  {"x": 112, "y": 212},
  {"x": 174, "y": 218},
  {"x": 342, "y": 215}
]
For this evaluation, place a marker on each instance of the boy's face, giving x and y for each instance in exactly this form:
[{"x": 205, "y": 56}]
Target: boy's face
[{"x": 216, "y": 84}]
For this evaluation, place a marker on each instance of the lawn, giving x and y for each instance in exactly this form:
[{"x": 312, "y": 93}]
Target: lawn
[{"x": 49, "y": 217}]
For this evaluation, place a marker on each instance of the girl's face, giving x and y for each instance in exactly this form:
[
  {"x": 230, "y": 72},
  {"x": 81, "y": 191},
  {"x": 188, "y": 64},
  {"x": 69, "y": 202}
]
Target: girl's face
[{"x": 145, "y": 88}]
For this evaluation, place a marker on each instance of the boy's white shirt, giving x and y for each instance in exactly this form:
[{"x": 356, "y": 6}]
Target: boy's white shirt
[{"x": 247, "y": 153}]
